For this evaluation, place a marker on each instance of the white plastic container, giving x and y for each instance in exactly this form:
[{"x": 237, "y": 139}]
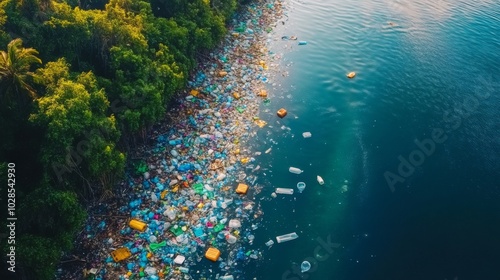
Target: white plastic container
[
  {"x": 234, "y": 223},
  {"x": 306, "y": 134},
  {"x": 179, "y": 259}
]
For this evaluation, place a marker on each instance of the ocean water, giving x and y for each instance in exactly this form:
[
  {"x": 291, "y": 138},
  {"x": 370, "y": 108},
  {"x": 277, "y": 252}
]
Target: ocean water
[{"x": 409, "y": 149}]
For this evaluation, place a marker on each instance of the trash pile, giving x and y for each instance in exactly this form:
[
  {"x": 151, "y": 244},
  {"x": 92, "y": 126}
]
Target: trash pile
[{"x": 191, "y": 199}]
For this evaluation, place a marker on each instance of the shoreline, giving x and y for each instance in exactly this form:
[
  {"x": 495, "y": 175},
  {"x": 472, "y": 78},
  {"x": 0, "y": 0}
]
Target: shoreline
[{"x": 205, "y": 143}]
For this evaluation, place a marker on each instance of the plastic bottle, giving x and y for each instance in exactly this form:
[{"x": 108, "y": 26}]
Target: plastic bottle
[
  {"x": 295, "y": 170},
  {"x": 184, "y": 269},
  {"x": 150, "y": 270},
  {"x": 231, "y": 239},
  {"x": 174, "y": 153}
]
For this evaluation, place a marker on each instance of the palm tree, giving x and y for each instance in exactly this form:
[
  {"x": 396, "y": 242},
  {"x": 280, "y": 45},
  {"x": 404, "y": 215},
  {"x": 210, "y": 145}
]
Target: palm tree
[{"x": 14, "y": 71}]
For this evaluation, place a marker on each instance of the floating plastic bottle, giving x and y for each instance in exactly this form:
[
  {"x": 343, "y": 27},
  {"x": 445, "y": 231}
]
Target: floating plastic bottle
[
  {"x": 227, "y": 277},
  {"x": 231, "y": 239},
  {"x": 269, "y": 243},
  {"x": 174, "y": 153},
  {"x": 283, "y": 191},
  {"x": 152, "y": 239},
  {"x": 184, "y": 269},
  {"x": 286, "y": 237},
  {"x": 295, "y": 170},
  {"x": 301, "y": 186},
  {"x": 305, "y": 266},
  {"x": 320, "y": 180},
  {"x": 251, "y": 237},
  {"x": 150, "y": 270}
]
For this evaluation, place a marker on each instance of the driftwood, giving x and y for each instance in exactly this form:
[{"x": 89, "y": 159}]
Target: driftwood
[{"x": 76, "y": 259}]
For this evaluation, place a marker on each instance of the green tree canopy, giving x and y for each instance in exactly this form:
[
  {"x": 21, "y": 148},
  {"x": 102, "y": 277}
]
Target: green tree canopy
[
  {"x": 15, "y": 64},
  {"x": 79, "y": 134}
]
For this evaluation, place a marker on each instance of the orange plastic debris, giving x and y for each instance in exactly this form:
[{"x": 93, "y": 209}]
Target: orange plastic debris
[
  {"x": 236, "y": 95},
  {"x": 194, "y": 92},
  {"x": 222, "y": 73},
  {"x": 351, "y": 75},
  {"x": 121, "y": 254},
  {"x": 212, "y": 254},
  {"x": 242, "y": 189},
  {"x": 281, "y": 113},
  {"x": 262, "y": 93},
  {"x": 138, "y": 225}
]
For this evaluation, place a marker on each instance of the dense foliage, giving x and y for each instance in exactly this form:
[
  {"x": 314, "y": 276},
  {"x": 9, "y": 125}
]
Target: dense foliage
[{"x": 80, "y": 83}]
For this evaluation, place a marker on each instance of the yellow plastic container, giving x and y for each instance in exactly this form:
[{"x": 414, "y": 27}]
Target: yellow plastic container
[
  {"x": 212, "y": 254},
  {"x": 260, "y": 123},
  {"x": 242, "y": 189},
  {"x": 194, "y": 92},
  {"x": 121, "y": 254},
  {"x": 236, "y": 95},
  {"x": 351, "y": 75},
  {"x": 138, "y": 225}
]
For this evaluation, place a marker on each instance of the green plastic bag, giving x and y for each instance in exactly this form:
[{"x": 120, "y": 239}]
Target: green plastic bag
[
  {"x": 198, "y": 188},
  {"x": 176, "y": 230},
  {"x": 156, "y": 246}
]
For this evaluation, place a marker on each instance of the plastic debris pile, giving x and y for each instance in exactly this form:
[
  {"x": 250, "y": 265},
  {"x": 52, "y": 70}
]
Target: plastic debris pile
[{"x": 191, "y": 199}]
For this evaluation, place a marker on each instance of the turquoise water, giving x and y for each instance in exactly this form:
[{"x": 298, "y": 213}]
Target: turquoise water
[{"x": 421, "y": 66}]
